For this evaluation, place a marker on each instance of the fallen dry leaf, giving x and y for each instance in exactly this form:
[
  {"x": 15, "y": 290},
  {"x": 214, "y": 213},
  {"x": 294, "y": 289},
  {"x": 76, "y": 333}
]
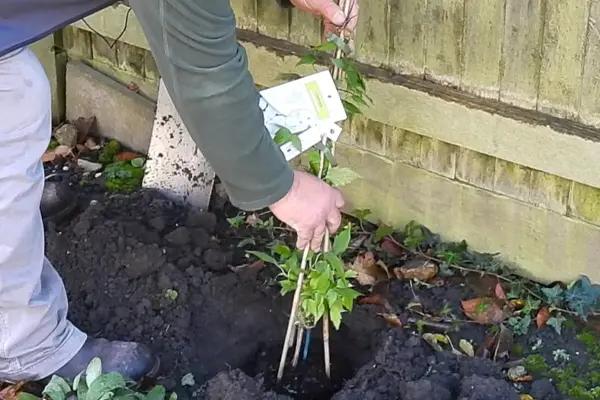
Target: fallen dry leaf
[
  {"x": 63, "y": 151},
  {"x": 434, "y": 340},
  {"x": 389, "y": 246},
  {"x": 499, "y": 291},
  {"x": 526, "y": 397},
  {"x": 369, "y": 271},
  {"x": 420, "y": 269},
  {"x": 392, "y": 319},
  {"x": 253, "y": 219},
  {"x": 484, "y": 310},
  {"x": 518, "y": 374},
  {"x": 133, "y": 87},
  {"x": 48, "y": 156},
  {"x": 517, "y": 304},
  {"x": 542, "y": 317},
  {"x": 467, "y": 347},
  {"x": 376, "y": 299},
  {"x": 11, "y": 392},
  {"x": 485, "y": 349},
  {"x": 127, "y": 156}
]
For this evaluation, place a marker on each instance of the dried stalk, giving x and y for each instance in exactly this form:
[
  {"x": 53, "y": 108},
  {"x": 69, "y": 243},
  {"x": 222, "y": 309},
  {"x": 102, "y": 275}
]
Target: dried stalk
[
  {"x": 299, "y": 334},
  {"x": 326, "y": 320}
]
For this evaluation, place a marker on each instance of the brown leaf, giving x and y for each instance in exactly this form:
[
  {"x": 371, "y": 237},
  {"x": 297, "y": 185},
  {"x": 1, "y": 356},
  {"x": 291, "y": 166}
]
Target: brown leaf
[
  {"x": 484, "y": 310},
  {"x": 392, "y": 319},
  {"x": 389, "y": 246},
  {"x": 517, "y": 304},
  {"x": 11, "y": 392},
  {"x": 63, "y": 151},
  {"x": 499, "y": 291},
  {"x": 376, "y": 299},
  {"x": 542, "y": 317},
  {"x": 253, "y": 219},
  {"x": 133, "y": 87},
  {"x": 420, "y": 269},
  {"x": 48, "y": 156},
  {"x": 369, "y": 271},
  {"x": 127, "y": 156},
  {"x": 486, "y": 347}
]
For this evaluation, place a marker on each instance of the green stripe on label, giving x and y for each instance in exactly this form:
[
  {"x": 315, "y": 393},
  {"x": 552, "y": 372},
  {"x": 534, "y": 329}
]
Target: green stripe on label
[{"x": 317, "y": 100}]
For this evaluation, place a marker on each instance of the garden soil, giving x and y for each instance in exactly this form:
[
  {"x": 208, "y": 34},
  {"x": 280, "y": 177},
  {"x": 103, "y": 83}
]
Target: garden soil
[{"x": 138, "y": 267}]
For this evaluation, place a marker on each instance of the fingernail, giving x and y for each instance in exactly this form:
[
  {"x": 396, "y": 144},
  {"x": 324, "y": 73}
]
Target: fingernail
[{"x": 339, "y": 18}]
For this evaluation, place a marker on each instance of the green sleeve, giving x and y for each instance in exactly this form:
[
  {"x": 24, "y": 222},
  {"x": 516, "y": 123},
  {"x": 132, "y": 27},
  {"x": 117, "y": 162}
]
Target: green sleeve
[{"x": 206, "y": 73}]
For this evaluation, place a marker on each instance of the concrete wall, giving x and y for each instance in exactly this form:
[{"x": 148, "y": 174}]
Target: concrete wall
[{"x": 485, "y": 122}]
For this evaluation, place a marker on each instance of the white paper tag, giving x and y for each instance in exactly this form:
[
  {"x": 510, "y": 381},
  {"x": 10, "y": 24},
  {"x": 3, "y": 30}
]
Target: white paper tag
[{"x": 309, "y": 107}]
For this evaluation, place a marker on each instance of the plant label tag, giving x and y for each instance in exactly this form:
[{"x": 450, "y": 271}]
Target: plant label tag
[{"x": 308, "y": 107}]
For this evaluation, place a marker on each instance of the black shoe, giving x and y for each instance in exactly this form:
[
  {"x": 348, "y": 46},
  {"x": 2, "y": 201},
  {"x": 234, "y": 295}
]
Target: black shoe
[
  {"x": 58, "y": 199},
  {"x": 132, "y": 360}
]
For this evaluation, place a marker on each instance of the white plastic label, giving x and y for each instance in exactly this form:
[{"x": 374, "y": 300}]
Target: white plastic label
[{"x": 309, "y": 107}]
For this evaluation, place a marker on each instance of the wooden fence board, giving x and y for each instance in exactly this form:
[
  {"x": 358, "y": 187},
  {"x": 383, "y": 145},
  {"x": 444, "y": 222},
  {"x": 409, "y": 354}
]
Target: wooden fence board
[
  {"x": 407, "y": 36},
  {"x": 590, "y": 93}
]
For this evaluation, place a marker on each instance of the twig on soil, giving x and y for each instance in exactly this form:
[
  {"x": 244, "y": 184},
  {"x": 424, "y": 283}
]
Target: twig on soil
[{"x": 293, "y": 313}]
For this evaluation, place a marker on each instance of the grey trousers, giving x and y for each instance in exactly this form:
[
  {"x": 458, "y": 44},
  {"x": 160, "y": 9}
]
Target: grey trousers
[
  {"x": 205, "y": 71},
  {"x": 35, "y": 336}
]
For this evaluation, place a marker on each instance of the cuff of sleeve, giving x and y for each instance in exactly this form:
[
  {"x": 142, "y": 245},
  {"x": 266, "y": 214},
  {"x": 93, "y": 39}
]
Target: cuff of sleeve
[{"x": 280, "y": 187}]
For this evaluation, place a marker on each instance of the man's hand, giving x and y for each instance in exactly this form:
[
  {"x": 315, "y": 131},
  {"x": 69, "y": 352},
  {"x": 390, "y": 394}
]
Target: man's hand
[
  {"x": 309, "y": 207},
  {"x": 335, "y": 19}
]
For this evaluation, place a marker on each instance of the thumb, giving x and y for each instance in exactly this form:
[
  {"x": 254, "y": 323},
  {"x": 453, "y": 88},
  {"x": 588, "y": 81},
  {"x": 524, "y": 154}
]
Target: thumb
[{"x": 332, "y": 12}]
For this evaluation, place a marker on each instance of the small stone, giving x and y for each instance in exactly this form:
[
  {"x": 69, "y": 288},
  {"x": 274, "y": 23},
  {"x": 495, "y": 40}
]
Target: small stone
[
  {"x": 89, "y": 166},
  {"x": 98, "y": 175},
  {"x": 179, "y": 236},
  {"x": 188, "y": 380},
  {"x": 66, "y": 135},
  {"x": 517, "y": 372},
  {"x": 65, "y": 168}
]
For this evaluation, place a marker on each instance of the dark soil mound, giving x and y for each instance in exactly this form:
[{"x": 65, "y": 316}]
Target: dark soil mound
[{"x": 139, "y": 267}]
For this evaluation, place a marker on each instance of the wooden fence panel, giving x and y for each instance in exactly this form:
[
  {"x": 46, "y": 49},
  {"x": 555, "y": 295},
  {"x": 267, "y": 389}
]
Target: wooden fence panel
[
  {"x": 562, "y": 59},
  {"x": 372, "y": 32},
  {"x": 407, "y": 36},
  {"x": 522, "y": 52},
  {"x": 444, "y": 32},
  {"x": 484, "y": 26},
  {"x": 272, "y": 19},
  {"x": 590, "y": 93}
]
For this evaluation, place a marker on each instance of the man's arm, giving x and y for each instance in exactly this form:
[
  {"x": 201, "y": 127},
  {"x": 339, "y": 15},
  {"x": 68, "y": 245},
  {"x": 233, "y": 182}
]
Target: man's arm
[{"x": 206, "y": 74}]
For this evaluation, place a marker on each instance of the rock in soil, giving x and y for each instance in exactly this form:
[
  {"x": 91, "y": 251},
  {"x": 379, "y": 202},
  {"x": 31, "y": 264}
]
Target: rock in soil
[{"x": 66, "y": 135}]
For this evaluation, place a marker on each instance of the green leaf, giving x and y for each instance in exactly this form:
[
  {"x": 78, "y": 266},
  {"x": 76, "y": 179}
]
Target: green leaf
[
  {"x": 173, "y": 396},
  {"x": 26, "y": 396},
  {"x": 340, "y": 176},
  {"x": 553, "y": 295},
  {"x": 77, "y": 380},
  {"x": 57, "y": 388},
  {"x": 326, "y": 47},
  {"x": 531, "y": 305},
  {"x": 287, "y": 286},
  {"x": 351, "y": 108},
  {"x": 314, "y": 161},
  {"x": 342, "y": 241},
  {"x": 104, "y": 385},
  {"x": 335, "y": 315},
  {"x": 282, "y": 250},
  {"x": 322, "y": 283},
  {"x": 583, "y": 297},
  {"x": 157, "y": 393},
  {"x": 138, "y": 162},
  {"x": 93, "y": 371},
  {"x": 362, "y": 213},
  {"x": 382, "y": 231},
  {"x": 520, "y": 326},
  {"x": 309, "y": 59},
  {"x": 556, "y": 322},
  {"x": 247, "y": 242},
  {"x": 336, "y": 263},
  {"x": 263, "y": 256},
  {"x": 237, "y": 221},
  {"x": 284, "y": 135}
]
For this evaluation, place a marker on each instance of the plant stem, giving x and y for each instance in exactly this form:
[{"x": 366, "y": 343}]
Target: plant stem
[
  {"x": 326, "y": 345},
  {"x": 299, "y": 334},
  {"x": 293, "y": 313},
  {"x": 326, "y": 320}
]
